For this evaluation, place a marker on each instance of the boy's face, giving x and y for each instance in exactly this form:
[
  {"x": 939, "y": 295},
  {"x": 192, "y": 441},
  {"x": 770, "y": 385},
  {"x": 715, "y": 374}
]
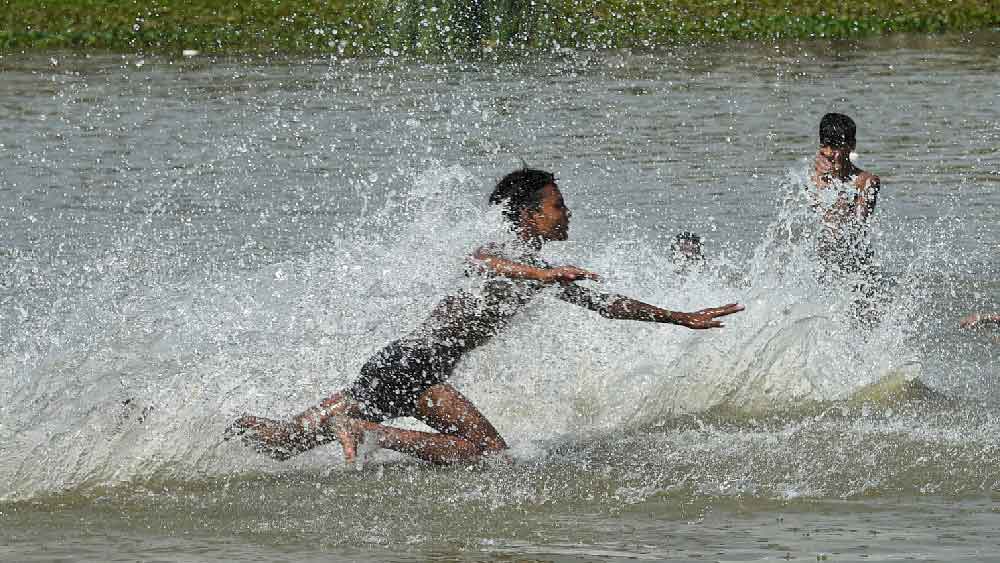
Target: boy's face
[
  {"x": 839, "y": 158},
  {"x": 551, "y": 220}
]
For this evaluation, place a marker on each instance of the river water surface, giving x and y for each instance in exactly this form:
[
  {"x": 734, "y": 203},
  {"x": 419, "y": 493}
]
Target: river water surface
[{"x": 183, "y": 240}]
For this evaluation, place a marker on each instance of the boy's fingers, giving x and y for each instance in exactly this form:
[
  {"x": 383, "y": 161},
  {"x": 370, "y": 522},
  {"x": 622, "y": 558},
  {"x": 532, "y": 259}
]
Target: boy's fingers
[
  {"x": 729, "y": 309},
  {"x": 581, "y": 274},
  {"x": 724, "y": 310}
]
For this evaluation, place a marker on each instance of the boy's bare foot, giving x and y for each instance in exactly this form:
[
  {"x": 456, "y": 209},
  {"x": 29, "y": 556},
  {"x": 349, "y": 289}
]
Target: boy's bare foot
[{"x": 276, "y": 438}]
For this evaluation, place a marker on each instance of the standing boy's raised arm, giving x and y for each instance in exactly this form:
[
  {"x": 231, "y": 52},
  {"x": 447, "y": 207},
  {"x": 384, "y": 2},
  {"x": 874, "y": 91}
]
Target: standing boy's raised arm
[
  {"x": 979, "y": 319},
  {"x": 868, "y": 187}
]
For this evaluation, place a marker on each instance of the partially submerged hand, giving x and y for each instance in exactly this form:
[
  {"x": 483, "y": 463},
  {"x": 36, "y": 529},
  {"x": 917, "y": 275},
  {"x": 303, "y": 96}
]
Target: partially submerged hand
[
  {"x": 350, "y": 434},
  {"x": 706, "y": 318}
]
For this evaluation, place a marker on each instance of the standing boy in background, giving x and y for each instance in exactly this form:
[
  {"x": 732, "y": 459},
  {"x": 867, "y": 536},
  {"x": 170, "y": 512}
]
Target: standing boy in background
[{"x": 845, "y": 196}]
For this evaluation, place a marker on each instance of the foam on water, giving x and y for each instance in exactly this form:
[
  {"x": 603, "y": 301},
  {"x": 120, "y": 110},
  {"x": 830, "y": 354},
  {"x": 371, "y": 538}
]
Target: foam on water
[{"x": 134, "y": 376}]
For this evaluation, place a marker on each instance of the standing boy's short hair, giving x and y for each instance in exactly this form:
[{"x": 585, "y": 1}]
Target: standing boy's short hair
[
  {"x": 519, "y": 190},
  {"x": 838, "y": 131}
]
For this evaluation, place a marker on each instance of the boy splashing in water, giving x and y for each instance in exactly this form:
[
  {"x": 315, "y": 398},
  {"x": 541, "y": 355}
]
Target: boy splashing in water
[
  {"x": 408, "y": 378},
  {"x": 845, "y": 194},
  {"x": 845, "y": 197}
]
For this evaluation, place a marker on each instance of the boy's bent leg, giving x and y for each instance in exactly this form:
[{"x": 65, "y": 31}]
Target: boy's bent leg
[
  {"x": 283, "y": 439},
  {"x": 464, "y": 434},
  {"x": 339, "y": 404},
  {"x": 449, "y": 412}
]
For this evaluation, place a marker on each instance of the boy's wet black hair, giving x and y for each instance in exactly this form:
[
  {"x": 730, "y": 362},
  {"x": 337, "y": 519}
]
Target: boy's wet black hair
[
  {"x": 838, "y": 131},
  {"x": 521, "y": 189},
  {"x": 687, "y": 236}
]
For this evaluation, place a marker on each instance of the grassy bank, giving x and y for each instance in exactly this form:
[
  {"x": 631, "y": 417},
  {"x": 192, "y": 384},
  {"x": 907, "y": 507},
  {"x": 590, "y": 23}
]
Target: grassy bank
[{"x": 446, "y": 27}]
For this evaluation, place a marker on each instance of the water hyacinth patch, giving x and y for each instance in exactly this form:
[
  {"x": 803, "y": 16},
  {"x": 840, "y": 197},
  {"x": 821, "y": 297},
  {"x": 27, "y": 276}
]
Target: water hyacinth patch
[{"x": 460, "y": 27}]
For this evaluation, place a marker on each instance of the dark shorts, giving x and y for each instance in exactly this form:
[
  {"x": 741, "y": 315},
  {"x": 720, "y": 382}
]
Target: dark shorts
[
  {"x": 872, "y": 286},
  {"x": 841, "y": 260},
  {"x": 394, "y": 378}
]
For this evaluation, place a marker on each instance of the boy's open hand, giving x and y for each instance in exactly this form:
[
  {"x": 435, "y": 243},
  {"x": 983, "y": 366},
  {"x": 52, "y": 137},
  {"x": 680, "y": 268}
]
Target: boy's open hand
[
  {"x": 706, "y": 318},
  {"x": 970, "y": 321}
]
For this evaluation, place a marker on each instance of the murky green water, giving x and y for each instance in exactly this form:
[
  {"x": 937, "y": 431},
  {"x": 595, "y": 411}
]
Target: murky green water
[{"x": 203, "y": 238}]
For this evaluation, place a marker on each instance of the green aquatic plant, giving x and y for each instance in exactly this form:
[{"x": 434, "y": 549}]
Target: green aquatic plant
[{"x": 434, "y": 28}]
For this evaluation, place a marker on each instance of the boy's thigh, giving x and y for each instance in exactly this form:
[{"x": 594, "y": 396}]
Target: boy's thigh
[{"x": 446, "y": 410}]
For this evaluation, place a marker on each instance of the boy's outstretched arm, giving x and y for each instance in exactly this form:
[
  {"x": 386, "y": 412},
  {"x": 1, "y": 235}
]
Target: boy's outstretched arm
[
  {"x": 614, "y": 306},
  {"x": 489, "y": 263},
  {"x": 979, "y": 319}
]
